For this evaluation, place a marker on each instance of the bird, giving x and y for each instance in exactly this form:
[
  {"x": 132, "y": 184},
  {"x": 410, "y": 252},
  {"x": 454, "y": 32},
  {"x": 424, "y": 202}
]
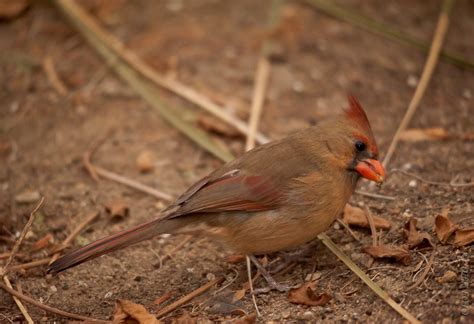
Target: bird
[{"x": 274, "y": 197}]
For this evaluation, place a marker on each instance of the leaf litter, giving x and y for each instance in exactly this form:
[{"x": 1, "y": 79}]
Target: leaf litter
[
  {"x": 305, "y": 295},
  {"x": 358, "y": 217}
]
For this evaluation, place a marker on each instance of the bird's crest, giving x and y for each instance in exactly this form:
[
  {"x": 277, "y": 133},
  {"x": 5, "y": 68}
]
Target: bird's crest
[{"x": 356, "y": 114}]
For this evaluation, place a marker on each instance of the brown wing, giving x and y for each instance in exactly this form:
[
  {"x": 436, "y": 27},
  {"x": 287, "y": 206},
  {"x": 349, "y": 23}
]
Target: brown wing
[{"x": 230, "y": 192}]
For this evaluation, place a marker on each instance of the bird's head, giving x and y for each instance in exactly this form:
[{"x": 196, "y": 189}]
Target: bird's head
[{"x": 353, "y": 144}]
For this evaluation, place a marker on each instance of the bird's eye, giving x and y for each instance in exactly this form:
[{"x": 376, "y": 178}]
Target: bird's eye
[{"x": 360, "y": 146}]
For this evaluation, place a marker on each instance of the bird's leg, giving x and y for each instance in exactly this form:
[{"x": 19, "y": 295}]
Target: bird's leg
[
  {"x": 290, "y": 257},
  {"x": 272, "y": 284}
]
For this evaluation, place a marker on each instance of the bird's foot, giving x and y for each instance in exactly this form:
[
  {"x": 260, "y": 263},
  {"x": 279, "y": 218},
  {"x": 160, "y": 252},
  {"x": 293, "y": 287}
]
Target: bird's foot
[
  {"x": 272, "y": 283},
  {"x": 287, "y": 258}
]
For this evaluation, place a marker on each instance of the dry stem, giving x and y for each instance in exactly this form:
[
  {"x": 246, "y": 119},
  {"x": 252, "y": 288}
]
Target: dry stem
[{"x": 18, "y": 302}]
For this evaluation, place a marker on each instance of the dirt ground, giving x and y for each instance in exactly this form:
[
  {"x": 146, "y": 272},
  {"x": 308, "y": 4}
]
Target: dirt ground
[{"x": 213, "y": 46}]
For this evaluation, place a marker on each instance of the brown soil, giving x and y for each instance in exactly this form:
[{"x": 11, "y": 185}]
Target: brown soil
[{"x": 213, "y": 46}]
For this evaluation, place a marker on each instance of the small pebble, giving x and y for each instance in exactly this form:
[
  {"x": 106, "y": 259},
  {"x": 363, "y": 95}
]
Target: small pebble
[
  {"x": 412, "y": 81},
  {"x": 412, "y": 183},
  {"x": 27, "y": 197},
  {"x": 308, "y": 315},
  {"x": 466, "y": 93}
]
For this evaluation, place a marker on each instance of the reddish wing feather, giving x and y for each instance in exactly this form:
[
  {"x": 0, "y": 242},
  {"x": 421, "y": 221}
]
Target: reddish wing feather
[{"x": 231, "y": 193}]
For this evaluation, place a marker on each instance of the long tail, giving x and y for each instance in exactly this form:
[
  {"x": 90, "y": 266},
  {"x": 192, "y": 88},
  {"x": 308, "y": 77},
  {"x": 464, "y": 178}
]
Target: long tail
[{"x": 111, "y": 243}]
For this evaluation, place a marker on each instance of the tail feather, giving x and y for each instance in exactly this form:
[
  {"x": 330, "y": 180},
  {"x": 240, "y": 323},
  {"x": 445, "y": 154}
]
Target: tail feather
[{"x": 110, "y": 243}]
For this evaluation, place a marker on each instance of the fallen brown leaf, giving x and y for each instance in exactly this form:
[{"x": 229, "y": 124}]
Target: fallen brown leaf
[
  {"x": 129, "y": 312},
  {"x": 144, "y": 162},
  {"x": 357, "y": 217},
  {"x": 464, "y": 237},
  {"x": 216, "y": 126},
  {"x": 12, "y": 9},
  {"x": 239, "y": 294},
  {"x": 305, "y": 295},
  {"x": 399, "y": 253},
  {"x": 444, "y": 227},
  {"x": 447, "y": 277},
  {"x": 117, "y": 210},
  {"x": 247, "y": 319},
  {"x": 235, "y": 258},
  {"x": 185, "y": 318},
  {"x": 424, "y": 134},
  {"x": 42, "y": 242},
  {"x": 415, "y": 238}
]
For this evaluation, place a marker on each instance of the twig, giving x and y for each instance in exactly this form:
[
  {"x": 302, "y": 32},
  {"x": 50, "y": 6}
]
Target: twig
[
  {"x": 78, "y": 229},
  {"x": 348, "y": 229},
  {"x": 96, "y": 171},
  {"x": 434, "y": 183},
  {"x": 46, "y": 307},
  {"x": 436, "y": 45},
  {"x": 369, "y": 282},
  {"x": 85, "y": 25},
  {"x": 176, "y": 248},
  {"x": 261, "y": 78},
  {"x": 18, "y": 302},
  {"x": 53, "y": 77},
  {"x": 183, "y": 300},
  {"x": 373, "y": 230},
  {"x": 373, "y": 195},
  {"x": 148, "y": 72},
  {"x": 22, "y": 237},
  {"x": 132, "y": 183},
  {"x": 425, "y": 272},
  {"x": 250, "y": 282},
  {"x": 29, "y": 265},
  {"x": 261, "y": 82},
  {"x": 386, "y": 30}
]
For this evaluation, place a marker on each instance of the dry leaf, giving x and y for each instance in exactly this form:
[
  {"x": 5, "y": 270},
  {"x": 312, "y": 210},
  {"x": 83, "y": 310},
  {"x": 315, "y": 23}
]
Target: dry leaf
[
  {"x": 239, "y": 294},
  {"x": 247, "y": 319},
  {"x": 444, "y": 227},
  {"x": 216, "y": 126},
  {"x": 424, "y": 134},
  {"x": 185, "y": 318},
  {"x": 27, "y": 197},
  {"x": 128, "y": 312},
  {"x": 399, "y": 253},
  {"x": 145, "y": 162},
  {"x": 10, "y": 9},
  {"x": 160, "y": 300},
  {"x": 235, "y": 258},
  {"x": 447, "y": 277},
  {"x": 117, "y": 210},
  {"x": 305, "y": 295},
  {"x": 43, "y": 242},
  {"x": 464, "y": 237},
  {"x": 356, "y": 216},
  {"x": 225, "y": 303},
  {"x": 415, "y": 238}
]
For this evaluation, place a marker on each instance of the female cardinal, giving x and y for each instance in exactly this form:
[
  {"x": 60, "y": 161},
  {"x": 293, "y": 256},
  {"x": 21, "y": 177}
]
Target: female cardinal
[{"x": 274, "y": 197}]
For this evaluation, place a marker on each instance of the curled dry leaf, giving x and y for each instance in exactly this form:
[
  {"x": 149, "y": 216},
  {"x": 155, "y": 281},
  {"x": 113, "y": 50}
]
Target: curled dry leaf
[
  {"x": 117, "y": 210},
  {"x": 464, "y": 237},
  {"x": 447, "y": 277},
  {"x": 129, "y": 312},
  {"x": 305, "y": 295},
  {"x": 399, "y": 253},
  {"x": 12, "y": 9},
  {"x": 216, "y": 126},
  {"x": 145, "y": 162},
  {"x": 424, "y": 134},
  {"x": 28, "y": 197},
  {"x": 247, "y": 319},
  {"x": 357, "y": 217},
  {"x": 444, "y": 227},
  {"x": 415, "y": 238},
  {"x": 42, "y": 242},
  {"x": 235, "y": 258}
]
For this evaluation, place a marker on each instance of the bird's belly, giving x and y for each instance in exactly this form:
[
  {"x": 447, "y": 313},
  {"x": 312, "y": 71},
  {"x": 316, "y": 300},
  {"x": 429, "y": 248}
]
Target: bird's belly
[{"x": 270, "y": 231}]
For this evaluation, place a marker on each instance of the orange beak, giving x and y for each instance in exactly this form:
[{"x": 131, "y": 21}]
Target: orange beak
[{"x": 371, "y": 169}]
